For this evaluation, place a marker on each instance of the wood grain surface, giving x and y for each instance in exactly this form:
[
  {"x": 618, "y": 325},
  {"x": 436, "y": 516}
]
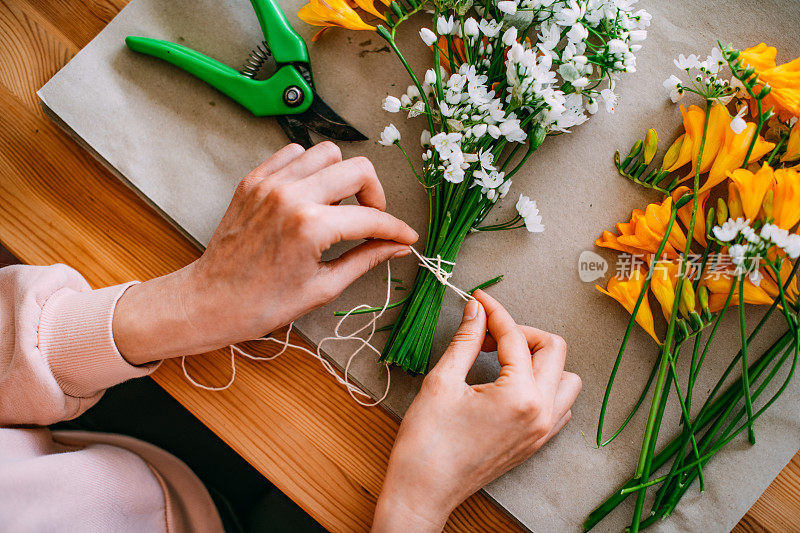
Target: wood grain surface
[{"x": 287, "y": 417}]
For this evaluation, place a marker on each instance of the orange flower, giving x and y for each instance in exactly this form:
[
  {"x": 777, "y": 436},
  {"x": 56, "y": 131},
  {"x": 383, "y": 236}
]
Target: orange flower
[
  {"x": 752, "y": 188},
  {"x": 785, "y": 94},
  {"x": 733, "y": 152},
  {"x": 784, "y": 79},
  {"x": 786, "y": 198},
  {"x": 689, "y": 148},
  {"x": 337, "y": 13},
  {"x": 719, "y": 286},
  {"x": 760, "y": 57},
  {"x": 626, "y": 292},
  {"x": 685, "y": 213},
  {"x": 645, "y": 231},
  {"x": 662, "y": 285},
  {"x": 793, "y": 145}
]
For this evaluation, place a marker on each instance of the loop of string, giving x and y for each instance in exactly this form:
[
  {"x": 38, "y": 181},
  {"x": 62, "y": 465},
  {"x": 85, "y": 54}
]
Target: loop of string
[{"x": 434, "y": 265}]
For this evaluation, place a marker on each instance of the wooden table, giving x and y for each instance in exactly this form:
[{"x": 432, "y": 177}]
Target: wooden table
[{"x": 288, "y": 418}]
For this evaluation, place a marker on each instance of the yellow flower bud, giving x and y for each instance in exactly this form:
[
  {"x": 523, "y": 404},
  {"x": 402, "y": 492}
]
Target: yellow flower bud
[
  {"x": 650, "y": 145},
  {"x": 702, "y": 295},
  {"x": 722, "y": 211},
  {"x": 687, "y": 302},
  {"x": 671, "y": 157},
  {"x": 766, "y": 205}
]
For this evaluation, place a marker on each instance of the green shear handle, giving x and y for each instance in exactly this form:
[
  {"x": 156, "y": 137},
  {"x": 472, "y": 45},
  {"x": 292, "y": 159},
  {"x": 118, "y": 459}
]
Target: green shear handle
[{"x": 286, "y": 92}]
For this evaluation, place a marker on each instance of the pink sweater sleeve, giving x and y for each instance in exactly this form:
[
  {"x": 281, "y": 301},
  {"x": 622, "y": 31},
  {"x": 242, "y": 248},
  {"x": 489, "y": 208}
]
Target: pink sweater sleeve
[{"x": 57, "y": 351}]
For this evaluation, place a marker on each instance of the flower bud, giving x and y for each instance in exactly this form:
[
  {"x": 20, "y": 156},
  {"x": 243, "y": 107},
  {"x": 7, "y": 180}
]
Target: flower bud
[
  {"x": 471, "y": 27},
  {"x": 767, "y": 204},
  {"x": 722, "y": 211},
  {"x": 672, "y": 153},
  {"x": 687, "y": 303},
  {"x": 734, "y": 202},
  {"x": 636, "y": 149},
  {"x": 650, "y": 145},
  {"x": 428, "y": 37},
  {"x": 702, "y": 296}
]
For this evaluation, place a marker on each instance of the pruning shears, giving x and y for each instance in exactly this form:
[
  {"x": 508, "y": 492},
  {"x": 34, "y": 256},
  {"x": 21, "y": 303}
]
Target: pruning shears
[{"x": 288, "y": 94}]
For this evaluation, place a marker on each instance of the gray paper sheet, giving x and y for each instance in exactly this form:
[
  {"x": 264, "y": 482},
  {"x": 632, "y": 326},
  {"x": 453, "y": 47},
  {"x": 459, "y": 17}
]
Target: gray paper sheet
[{"x": 184, "y": 147}]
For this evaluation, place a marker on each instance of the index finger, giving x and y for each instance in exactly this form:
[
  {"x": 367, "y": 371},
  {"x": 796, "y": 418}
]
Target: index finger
[
  {"x": 355, "y": 222},
  {"x": 512, "y": 348}
]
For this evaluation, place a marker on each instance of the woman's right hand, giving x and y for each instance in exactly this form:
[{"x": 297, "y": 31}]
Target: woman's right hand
[{"x": 455, "y": 437}]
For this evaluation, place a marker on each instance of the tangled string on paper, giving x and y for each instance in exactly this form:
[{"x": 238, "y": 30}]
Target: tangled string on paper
[{"x": 434, "y": 265}]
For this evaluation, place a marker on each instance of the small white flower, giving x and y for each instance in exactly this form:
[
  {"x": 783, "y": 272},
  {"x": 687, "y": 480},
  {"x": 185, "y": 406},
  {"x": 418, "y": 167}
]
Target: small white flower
[
  {"x": 581, "y": 82},
  {"x": 549, "y": 36},
  {"x": 425, "y": 138},
  {"x": 391, "y": 104},
  {"x": 509, "y": 7},
  {"x": 592, "y": 106},
  {"x": 577, "y": 33},
  {"x": 417, "y": 109},
  {"x": 730, "y": 229},
  {"x": 430, "y": 76},
  {"x": 792, "y": 246},
  {"x": 738, "y": 124},
  {"x": 686, "y": 63},
  {"x": 617, "y": 47},
  {"x": 487, "y": 160},
  {"x": 490, "y": 29},
  {"x": 637, "y": 36},
  {"x": 428, "y": 37},
  {"x": 446, "y": 143},
  {"x": 444, "y": 26},
  {"x": 479, "y": 130},
  {"x": 389, "y": 135},
  {"x": 673, "y": 85},
  {"x": 412, "y": 92},
  {"x": 569, "y": 15},
  {"x": 737, "y": 253},
  {"x": 471, "y": 27},
  {"x": 494, "y": 131},
  {"x": 454, "y": 174},
  {"x": 510, "y": 36},
  {"x": 503, "y": 189},
  {"x": 530, "y": 213},
  {"x": 609, "y": 99}
]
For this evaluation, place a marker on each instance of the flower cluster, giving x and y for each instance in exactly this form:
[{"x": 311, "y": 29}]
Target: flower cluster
[
  {"x": 740, "y": 146},
  {"x": 506, "y": 74}
]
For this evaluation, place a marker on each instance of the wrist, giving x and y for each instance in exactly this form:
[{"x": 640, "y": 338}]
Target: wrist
[
  {"x": 406, "y": 500},
  {"x": 150, "y": 322}
]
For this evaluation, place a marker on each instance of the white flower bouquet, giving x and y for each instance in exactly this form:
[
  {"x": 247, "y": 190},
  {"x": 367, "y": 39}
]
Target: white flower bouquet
[{"x": 505, "y": 75}]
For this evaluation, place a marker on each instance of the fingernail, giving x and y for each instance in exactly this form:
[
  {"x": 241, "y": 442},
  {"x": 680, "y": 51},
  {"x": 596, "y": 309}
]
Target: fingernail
[
  {"x": 401, "y": 253},
  {"x": 470, "y": 310}
]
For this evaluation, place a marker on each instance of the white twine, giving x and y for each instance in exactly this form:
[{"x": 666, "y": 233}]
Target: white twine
[{"x": 434, "y": 265}]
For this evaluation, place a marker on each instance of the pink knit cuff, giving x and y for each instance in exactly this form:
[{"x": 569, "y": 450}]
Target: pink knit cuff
[{"x": 76, "y": 339}]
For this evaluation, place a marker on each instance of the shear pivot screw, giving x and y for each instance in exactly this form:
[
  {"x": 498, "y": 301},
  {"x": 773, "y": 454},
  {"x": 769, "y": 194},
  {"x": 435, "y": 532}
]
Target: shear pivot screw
[{"x": 293, "y": 96}]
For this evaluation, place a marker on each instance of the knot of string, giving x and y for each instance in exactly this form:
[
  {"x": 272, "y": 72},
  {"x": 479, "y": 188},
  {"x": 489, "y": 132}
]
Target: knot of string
[
  {"x": 442, "y": 275},
  {"x": 434, "y": 265}
]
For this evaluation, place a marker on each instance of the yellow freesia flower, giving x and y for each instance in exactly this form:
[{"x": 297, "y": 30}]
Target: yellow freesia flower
[
  {"x": 793, "y": 145},
  {"x": 760, "y": 57},
  {"x": 685, "y": 213},
  {"x": 662, "y": 285},
  {"x": 688, "y": 144},
  {"x": 626, "y": 292},
  {"x": 650, "y": 228},
  {"x": 786, "y": 198},
  {"x": 785, "y": 94},
  {"x": 752, "y": 187},
  {"x": 784, "y": 79},
  {"x": 719, "y": 286},
  {"x": 339, "y": 13},
  {"x": 733, "y": 152}
]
